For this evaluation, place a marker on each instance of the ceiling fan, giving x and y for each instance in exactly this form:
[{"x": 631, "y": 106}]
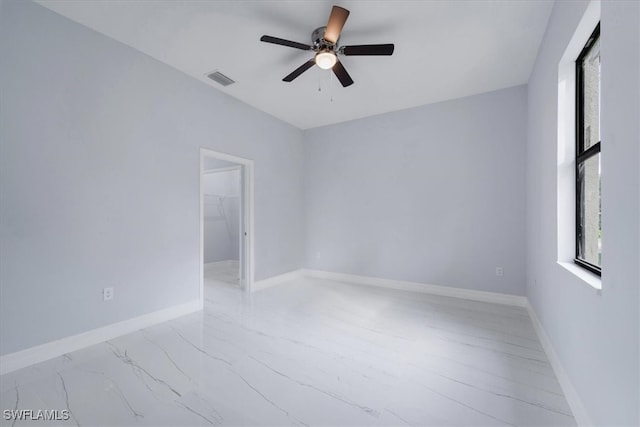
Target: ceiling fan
[{"x": 324, "y": 42}]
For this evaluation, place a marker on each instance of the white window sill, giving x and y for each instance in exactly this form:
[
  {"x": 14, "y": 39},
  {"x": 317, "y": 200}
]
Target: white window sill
[{"x": 586, "y": 276}]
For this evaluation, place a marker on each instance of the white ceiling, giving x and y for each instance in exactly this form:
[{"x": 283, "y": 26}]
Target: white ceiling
[{"x": 443, "y": 49}]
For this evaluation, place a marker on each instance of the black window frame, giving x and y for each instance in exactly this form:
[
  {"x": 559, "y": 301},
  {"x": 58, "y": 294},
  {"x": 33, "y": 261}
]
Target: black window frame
[{"x": 583, "y": 155}]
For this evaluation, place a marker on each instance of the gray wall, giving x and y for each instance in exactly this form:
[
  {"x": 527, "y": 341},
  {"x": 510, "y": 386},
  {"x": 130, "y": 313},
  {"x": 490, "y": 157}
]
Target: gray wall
[
  {"x": 433, "y": 194},
  {"x": 596, "y": 335},
  {"x": 99, "y": 179}
]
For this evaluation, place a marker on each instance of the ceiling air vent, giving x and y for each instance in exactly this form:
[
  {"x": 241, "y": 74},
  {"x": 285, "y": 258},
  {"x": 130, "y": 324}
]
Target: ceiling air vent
[{"x": 218, "y": 77}]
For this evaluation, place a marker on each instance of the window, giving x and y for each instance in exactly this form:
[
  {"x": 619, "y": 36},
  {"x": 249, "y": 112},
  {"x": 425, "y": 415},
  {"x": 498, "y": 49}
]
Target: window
[{"x": 588, "y": 188}]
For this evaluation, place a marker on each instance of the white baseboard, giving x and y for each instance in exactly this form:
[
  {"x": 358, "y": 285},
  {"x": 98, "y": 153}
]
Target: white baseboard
[
  {"x": 30, "y": 356},
  {"x": 575, "y": 403},
  {"x": 219, "y": 265},
  {"x": 470, "y": 294},
  {"x": 276, "y": 280}
]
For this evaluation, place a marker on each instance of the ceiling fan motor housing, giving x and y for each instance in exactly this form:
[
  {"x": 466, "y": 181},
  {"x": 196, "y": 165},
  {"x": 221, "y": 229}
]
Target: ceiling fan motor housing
[{"x": 318, "y": 41}]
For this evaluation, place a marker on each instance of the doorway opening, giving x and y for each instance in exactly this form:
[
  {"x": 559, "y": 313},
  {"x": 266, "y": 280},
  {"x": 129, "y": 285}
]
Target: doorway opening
[{"x": 226, "y": 220}]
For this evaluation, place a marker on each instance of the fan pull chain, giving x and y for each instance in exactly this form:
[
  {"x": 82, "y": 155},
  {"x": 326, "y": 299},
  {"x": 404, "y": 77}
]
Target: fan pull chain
[{"x": 331, "y": 86}]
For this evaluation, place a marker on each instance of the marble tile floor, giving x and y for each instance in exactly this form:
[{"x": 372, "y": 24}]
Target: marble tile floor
[
  {"x": 310, "y": 352},
  {"x": 224, "y": 271}
]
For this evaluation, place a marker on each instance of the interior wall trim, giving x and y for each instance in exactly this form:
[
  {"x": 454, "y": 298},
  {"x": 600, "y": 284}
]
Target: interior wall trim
[
  {"x": 401, "y": 285},
  {"x": 217, "y": 265},
  {"x": 573, "y": 399},
  {"x": 30, "y": 356},
  {"x": 247, "y": 261},
  {"x": 276, "y": 280}
]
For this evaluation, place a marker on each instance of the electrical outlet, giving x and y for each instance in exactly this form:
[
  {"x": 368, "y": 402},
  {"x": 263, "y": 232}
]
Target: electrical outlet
[
  {"x": 107, "y": 294},
  {"x": 499, "y": 271},
  {"x": 317, "y": 255}
]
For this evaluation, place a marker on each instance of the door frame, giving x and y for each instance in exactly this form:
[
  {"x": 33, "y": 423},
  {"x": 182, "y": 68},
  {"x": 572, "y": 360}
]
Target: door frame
[{"x": 247, "y": 214}]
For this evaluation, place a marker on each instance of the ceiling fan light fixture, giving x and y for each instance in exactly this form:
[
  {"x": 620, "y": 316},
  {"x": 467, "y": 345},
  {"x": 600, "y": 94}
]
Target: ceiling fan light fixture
[
  {"x": 326, "y": 59},
  {"x": 324, "y": 41}
]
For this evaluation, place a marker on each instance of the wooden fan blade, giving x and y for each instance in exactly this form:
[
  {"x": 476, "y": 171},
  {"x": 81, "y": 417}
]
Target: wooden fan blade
[
  {"x": 342, "y": 75},
  {"x": 301, "y": 69},
  {"x": 337, "y": 19},
  {"x": 283, "y": 42}
]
